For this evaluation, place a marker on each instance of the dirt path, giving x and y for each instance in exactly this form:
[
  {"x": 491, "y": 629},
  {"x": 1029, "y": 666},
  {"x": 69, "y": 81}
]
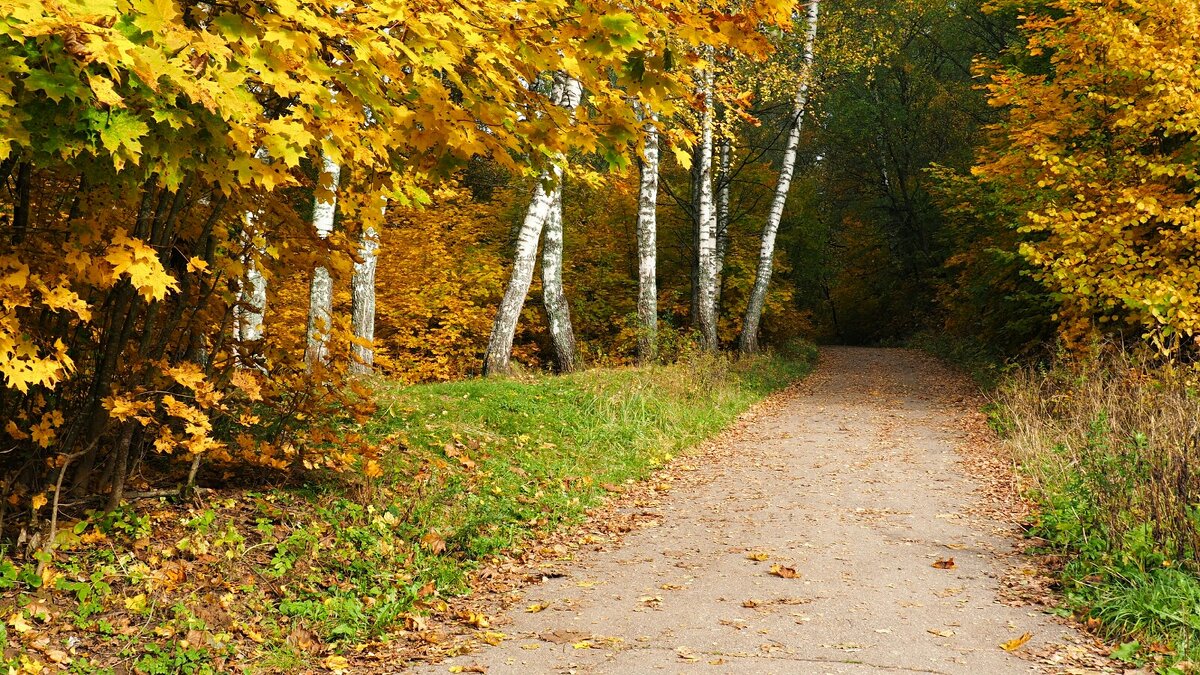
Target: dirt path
[{"x": 857, "y": 485}]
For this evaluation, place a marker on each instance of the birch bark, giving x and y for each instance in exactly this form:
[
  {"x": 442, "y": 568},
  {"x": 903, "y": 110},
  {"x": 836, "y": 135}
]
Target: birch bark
[
  {"x": 362, "y": 303},
  {"x": 748, "y": 342},
  {"x": 566, "y": 92},
  {"x": 558, "y": 313},
  {"x": 706, "y": 241},
  {"x": 647, "y": 233},
  {"x": 320, "y": 293}
]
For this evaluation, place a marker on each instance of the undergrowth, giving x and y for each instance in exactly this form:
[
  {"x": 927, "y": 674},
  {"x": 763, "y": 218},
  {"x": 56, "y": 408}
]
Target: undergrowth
[
  {"x": 1110, "y": 448},
  {"x": 277, "y": 580}
]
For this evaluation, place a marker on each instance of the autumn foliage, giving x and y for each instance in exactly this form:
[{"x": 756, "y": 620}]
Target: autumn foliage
[
  {"x": 163, "y": 157},
  {"x": 1097, "y": 152}
]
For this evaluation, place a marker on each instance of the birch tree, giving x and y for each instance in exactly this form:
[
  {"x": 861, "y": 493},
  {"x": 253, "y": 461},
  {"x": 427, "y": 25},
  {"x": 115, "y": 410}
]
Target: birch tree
[
  {"x": 706, "y": 217},
  {"x": 362, "y": 303},
  {"x": 252, "y": 289},
  {"x": 566, "y": 92},
  {"x": 320, "y": 293},
  {"x": 748, "y": 342},
  {"x": 558, "y": 312},
  {"x": 647, "y": 226}
]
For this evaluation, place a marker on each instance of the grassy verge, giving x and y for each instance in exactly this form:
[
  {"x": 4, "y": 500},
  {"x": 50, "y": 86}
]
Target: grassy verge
[
  {"x": 1111, "y": 451},
  {"x": 282, "y": 579}
]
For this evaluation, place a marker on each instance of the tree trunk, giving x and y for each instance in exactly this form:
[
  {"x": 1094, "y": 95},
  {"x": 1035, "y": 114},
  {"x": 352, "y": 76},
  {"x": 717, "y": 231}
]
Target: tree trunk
[
  {"x": 362, "y": 303},
  {"x": 252, "y": 298},
  {"x": 723, "y": 190},
  {"x": 566, "y": 92},
  {"x": 748, "y": 343},
  {"x": 320, "y": 293},
  {"x": 647, "y": 227},
  {"x": 706, "y": 244},
  {"x": 694, "y": 267},
  {"x": 558, "y": 312}
]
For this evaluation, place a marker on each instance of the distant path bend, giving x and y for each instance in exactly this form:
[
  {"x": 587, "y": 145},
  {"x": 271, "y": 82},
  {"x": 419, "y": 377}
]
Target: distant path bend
[{"x": 856, "y": 484}]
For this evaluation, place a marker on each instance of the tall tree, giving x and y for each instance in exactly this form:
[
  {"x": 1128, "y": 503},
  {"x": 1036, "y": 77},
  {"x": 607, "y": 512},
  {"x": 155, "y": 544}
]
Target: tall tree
[
  {"x": 706, "y": 217},
  {"x": 558, "y": 312},
  {"x": 748, "y": 342},
  {"x": 362, "y": 302},
  {"x": 566, "y": 92},
  {"x": 647, "y": 226},
  {"x": 320, "y": 294}
]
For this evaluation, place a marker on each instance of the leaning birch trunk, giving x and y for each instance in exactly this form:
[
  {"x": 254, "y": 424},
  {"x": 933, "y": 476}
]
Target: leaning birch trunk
[
  {"x": 647, "y": 227},
  {"x": 706, "y": 242},
  {"x": 724, "y": 178},
  {"x": 362, "y": 303},
  {"x": 320, "y": 293},
  {"x": 558, "y": 312},
  {"x": 748, "y": 342},
  {"x": 566, "y": 92}
]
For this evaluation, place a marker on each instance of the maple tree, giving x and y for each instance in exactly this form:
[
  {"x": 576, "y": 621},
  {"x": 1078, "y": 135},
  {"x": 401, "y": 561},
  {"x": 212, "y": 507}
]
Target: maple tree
[{"x": 1099, "y": 155}]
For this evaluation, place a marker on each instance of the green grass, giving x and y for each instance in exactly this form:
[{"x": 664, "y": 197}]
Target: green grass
[
  {"x": 542, "y": 449},
  {"x": 471, "y": 470}
]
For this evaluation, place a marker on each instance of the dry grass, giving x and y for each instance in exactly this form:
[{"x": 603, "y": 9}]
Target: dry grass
[{"x": 1110, "y": 447}]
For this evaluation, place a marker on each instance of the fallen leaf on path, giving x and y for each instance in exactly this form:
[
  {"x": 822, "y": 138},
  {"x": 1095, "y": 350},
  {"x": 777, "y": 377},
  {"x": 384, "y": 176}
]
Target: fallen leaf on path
[
  {"x": 583, "y": 644},
  {"x": 784, "y": 572},
  {"x": 531, "y": 645},
  {"x": 717, "y": 662},
  {"x": 337, "y": 664},
  {"x": 750, "y": 603},
  {"x": 671, "y": 587},
  {"x": 1015, "y": 643},
  {"x": 651, "y": 600},
  {"x": 537, "y": 607},
  {"x": 941, "y": 632},
  {"x": 758, "y": 555},
  {"x": 477, "y": 619},
  {"x": 473, "y": 668},
  {"x": 493, "y": 638},
  {"x": 686, "y": 654},
  {"x": 947, "y": 564}
]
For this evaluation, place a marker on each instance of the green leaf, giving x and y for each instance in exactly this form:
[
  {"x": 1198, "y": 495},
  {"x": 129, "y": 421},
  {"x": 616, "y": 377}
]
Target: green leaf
[
  {"x": 55, "y": 85},
  {"x": 123, "y": 132},
  {"x": 1127, "y": 652}
]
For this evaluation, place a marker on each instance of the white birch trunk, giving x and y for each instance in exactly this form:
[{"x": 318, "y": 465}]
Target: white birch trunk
[
  {"x": 724, "y": 152},
  {"x": 566, "y": 92},
  {"x": 558, "y": 313},
  {"x": 647, "y": 233},
  {"x": 320, "y": 294},
  {"x": 706, "y": 243},
  {"x": 252, "y": 288},
  {"x": 748, "y": 342},
  {"x": 362, "y": 303}
]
